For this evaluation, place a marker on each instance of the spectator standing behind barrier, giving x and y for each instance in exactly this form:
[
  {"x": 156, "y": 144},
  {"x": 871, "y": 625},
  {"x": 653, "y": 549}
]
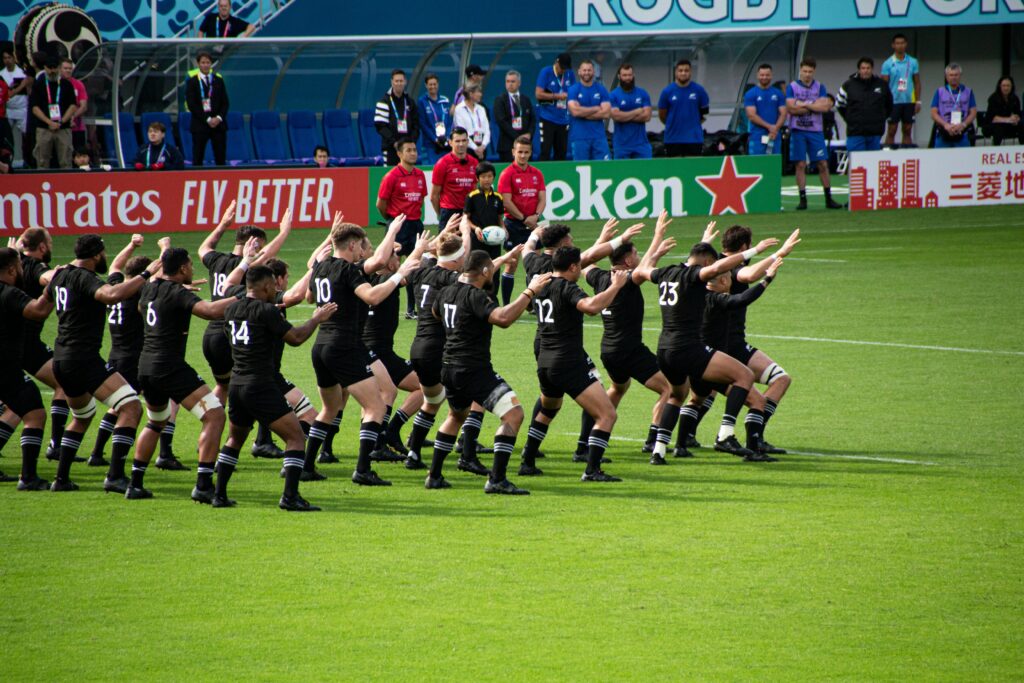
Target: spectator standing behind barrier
[
  {"x": 207, "y": 99},
  {"x": 222, "y": 24},
  {"x": 901, "y": 73},
  {"x": 158, "y": 154},
  {"x": 552, "y": 93},
  {"x": 524, "y": 193},
  {"x": 395, "y": 117},
  {"x": 953, "y": 110},
  {"x": 67, "y": 67},
  {"x": 806, "y": 101},
  {"x": 471, "y": 115},
  {"x": 453, "y": 178},
  {"x": 402, "y": 192},
  {"x": 53, "y": 106},
  {"x": 20, "y": 85},
  {"x": 321, "y": 157},
  {"x": 631, "y": 110},
  {"x": 436, "y": 121},
  {"x": 513, "y": 112},
  {"x": 474, "y": 76},
  {"x": 589, "y": 107},
  {"x": 765, "y": 106},
  {"x": 865, "y": 103},
  {"x": 1004, "y": 113},
  {"x": 682, "y": 107}
]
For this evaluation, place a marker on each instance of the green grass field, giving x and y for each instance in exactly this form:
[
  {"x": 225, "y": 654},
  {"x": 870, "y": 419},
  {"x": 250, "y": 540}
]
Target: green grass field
[{"x": 890, "y": 548}]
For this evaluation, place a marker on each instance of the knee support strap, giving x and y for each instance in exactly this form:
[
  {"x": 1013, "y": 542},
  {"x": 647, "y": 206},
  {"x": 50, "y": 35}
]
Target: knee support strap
[
  {"x": 86, "y": 411},
  {"x": 771, "y": 374},
  {"x": 435, "y": 400},
  {"x": 302, "y": 405},
  {"x": 504, "y": 404},
  {"x": 204, "y": 405},
  {"x": 121, "y": 397},
  {"x": 549, "y": 412},
  {"x": 159, "y": 415}
]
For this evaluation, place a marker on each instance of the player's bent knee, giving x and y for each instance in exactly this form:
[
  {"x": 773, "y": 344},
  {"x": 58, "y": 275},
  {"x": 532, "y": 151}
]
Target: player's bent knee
[
  {"x": 505, "y": 404},
  {"x": 204, "y": 404},
  {"x": 158, "y": 414},
  {"x": 302, "y": 406},
  {"x": 549, "y": 412},
  {"x": 437, "y": 399},
  {"x": 772, "y": 374},
  {"x": 156, "y": 425},
  {"x": 121, "y": 398},
  {"x": 85, "y": 412}
]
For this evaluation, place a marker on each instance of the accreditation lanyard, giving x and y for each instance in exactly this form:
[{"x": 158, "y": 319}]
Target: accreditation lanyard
[
  {"x": 478, "y": 125},
  {"x": 159, "y": 157},
  {"x": 439, "y": 130},
  {"x": 956, "y": 115},
  {"x": 205, "y": 91},
  {"x": 227, "y": 25},
  {"x": 403, "y": 123},
  {"x": 517, "y": 113},
  {"x": 54, "y": 106}
]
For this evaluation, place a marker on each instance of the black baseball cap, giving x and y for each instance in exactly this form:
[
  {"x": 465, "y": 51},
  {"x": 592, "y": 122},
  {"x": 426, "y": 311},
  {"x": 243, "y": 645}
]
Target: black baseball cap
[
  {"x": 475, "y": 70},
  {"x": 564, "y": 60}
]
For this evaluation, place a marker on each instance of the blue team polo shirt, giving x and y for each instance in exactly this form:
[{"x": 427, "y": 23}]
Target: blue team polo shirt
[
  {"x": 766, "y": 101},
  {"x": 682, "y": 125},
  {"x": 547, "y": 80},
  {"x": 592, "y": 95},
  {"x": 630, "y": 135}
]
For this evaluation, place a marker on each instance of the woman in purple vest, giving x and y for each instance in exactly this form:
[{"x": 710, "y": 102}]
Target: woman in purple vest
[{"x": 953, "y": 111}]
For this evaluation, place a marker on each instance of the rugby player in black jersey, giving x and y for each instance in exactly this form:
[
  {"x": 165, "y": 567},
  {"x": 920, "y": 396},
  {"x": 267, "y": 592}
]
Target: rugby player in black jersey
[
  {"x": 341, "y": 360},
  {"x": 469, "y": 314},
  {"x": 623, "y": 353},
  {"x": 562, "y": 362},
  {"x": 18, "y": 392},
  {"x": 550, "y": 238},
  {"x": 718, "y": 308},
  {"x": 428, "y": 344},
  {"x": 167, "y": 304},
  {"x": 254, "y": 325},
  {"x": 124, "y": 322},
  {"x": 36, "y": 247},
  {"x": 81, "y": 301},
  {"x": 682, "y": 357},
  {"x": 216, "y": 349}
]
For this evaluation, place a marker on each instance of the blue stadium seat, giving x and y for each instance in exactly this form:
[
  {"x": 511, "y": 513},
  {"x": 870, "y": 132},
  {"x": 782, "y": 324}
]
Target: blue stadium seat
[
  {"x": 185, "y": 131},
  {"x": 129, "y": 139},
  {"x": 239, "y": 150},
  {"x": 492, "y": 147},
  {"x": 368, "y": 134},
  {"x": 303, "y": 134},
  {"x": 340, "y": 135},
  {"x": 267, "y": 139}
]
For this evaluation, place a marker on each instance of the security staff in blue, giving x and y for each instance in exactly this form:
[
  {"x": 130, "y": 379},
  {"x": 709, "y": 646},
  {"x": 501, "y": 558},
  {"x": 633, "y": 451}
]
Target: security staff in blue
[
  {"x": 682, "y": 107},
  {"x": 552, "y": 93},
  {"x": 589, "y": 106},
  {"x": 766, "y": 112},
  {"x": 435, "y": 121},
  {"x": 631, "y": 110}
]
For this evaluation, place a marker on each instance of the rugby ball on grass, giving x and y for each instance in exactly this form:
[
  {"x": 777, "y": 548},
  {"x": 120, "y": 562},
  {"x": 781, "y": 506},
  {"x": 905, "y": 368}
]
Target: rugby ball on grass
[{"x": 494, "y": 235}]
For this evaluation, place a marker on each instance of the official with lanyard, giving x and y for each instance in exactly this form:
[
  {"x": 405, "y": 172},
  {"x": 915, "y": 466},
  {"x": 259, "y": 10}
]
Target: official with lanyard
[
  {"x": 553, "y": 83},
  {"x": 157, "y": 155},
  {"x": 223, "y": 25},
  {"x": 433, "y": 109},
  {"x": 207, "y": 100},
  {"x": 395, "y": 117},
  {"x": 513, "y": 114}
]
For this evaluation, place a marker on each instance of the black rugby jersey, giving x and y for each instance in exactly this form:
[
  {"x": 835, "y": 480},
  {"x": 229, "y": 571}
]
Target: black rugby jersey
[
  {"x": 124, "y": 323},
  {"x": 681, "y": 295},
  {"x": 719, "y": 310},
  {"x": 464, "y": 310},
  {"x": 623, "y": 320},
  {"x": 219, "y": 264},
  {"x": 382, "y": 319},
  {"x": 12, "y": 304},
  {"x": 254, "y": 329},
  {"x": 427, "y": 282},
  {"x": 336, "y": 280},
  {"x": 166, "y": 312},
  {"x": 32, "y": 270},
  {"x": 80, "y": 317},
  {"x": 559, "y": 323}
]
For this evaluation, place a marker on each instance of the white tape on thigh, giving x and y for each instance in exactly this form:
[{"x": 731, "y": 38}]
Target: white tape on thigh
[
  {"x": 435, "y": 400},
  {"x": 121, "y": 397},
  {"x": 86, "y": 411},
  {"x": 205, "y": 404},
  {"x": 302, "y": 405},
  {"x": 504, "y": 404},
  {"x": 771, "y": 374},
  {"x": 162, "y": 415}
]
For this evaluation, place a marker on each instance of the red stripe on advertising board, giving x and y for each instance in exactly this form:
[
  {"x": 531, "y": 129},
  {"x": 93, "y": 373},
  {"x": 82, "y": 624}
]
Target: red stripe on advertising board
[{"x": 176, "y": 201}]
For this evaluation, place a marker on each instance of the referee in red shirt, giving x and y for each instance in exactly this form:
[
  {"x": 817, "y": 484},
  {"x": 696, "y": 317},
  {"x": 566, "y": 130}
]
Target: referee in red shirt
[
  {"x": 402, "y": 191},
  {"x": 453, "y": 178},
  {"x": 522, "y": 189}
]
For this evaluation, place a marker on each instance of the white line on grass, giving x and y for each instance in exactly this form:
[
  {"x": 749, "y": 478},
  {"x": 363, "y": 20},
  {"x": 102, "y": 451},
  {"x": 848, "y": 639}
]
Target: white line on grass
[
  {"x": 816, "y": 260},
  {"x": 844, "y": 456}
]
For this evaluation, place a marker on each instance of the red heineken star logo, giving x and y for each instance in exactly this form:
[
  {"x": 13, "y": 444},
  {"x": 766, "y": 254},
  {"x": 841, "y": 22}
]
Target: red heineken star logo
[{"x": 728, "y": 188}]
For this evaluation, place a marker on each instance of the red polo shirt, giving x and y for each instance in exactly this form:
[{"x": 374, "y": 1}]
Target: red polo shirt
[
  {"x": 456, "y": 177},
  {"x": 404, "y": 192},
  {"x": 525, "y": 186}
]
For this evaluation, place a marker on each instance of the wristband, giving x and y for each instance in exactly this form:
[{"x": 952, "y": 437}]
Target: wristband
[
  {"x": 244, "y": 265},
  {"x": 767, "y": 280},
  {"x": 531, "y": 292},
  {"x": 616, "y": 243},
  {"x": 145, "y": 275},
  {"x": 750, "y": 253},
  {"x": 773, "y": 257},
  {"x": 396, "y": 279}
]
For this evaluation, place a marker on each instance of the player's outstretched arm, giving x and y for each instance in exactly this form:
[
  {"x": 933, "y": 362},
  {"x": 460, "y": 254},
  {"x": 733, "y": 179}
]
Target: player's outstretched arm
[
  {"x": 382, "y": 254},
  {"x": 118, "y": 264},
  {"x": 300, "y": 333},
  {"x": 512, "y": 254},
  {"x": 273, "y": 247},
  {"x": 251, "y": 256},
  {"x": 210, "y": 243},
  {"x": 752, "y": 294},
  {"x": 593, "y": 305},
  {"x": 649, "y": 262},
  {"x": 38, "y": 309},
  {"x": 507, "y": 315},
  {"x": 112, "y": 294},
  {"x": 730, "y": 262},
  {"x": 756, "y": 271},
  {"x": 373, "y": 295},
  {"x": 603, "y": 249}
]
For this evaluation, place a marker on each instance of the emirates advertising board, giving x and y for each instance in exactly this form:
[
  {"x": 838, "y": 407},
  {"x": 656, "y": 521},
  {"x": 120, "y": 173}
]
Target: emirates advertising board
[{"x": 916, "y": 178}]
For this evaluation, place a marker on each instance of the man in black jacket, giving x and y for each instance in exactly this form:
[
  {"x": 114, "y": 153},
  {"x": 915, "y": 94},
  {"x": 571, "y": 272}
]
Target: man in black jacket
[
  {"x": 865, "y": 103},
  {"x": 395, "y": 117},
  {"x": 513, "y": 112},
  {"x": 207, "y": 99},
  {"x": 158, "y": 154}
]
